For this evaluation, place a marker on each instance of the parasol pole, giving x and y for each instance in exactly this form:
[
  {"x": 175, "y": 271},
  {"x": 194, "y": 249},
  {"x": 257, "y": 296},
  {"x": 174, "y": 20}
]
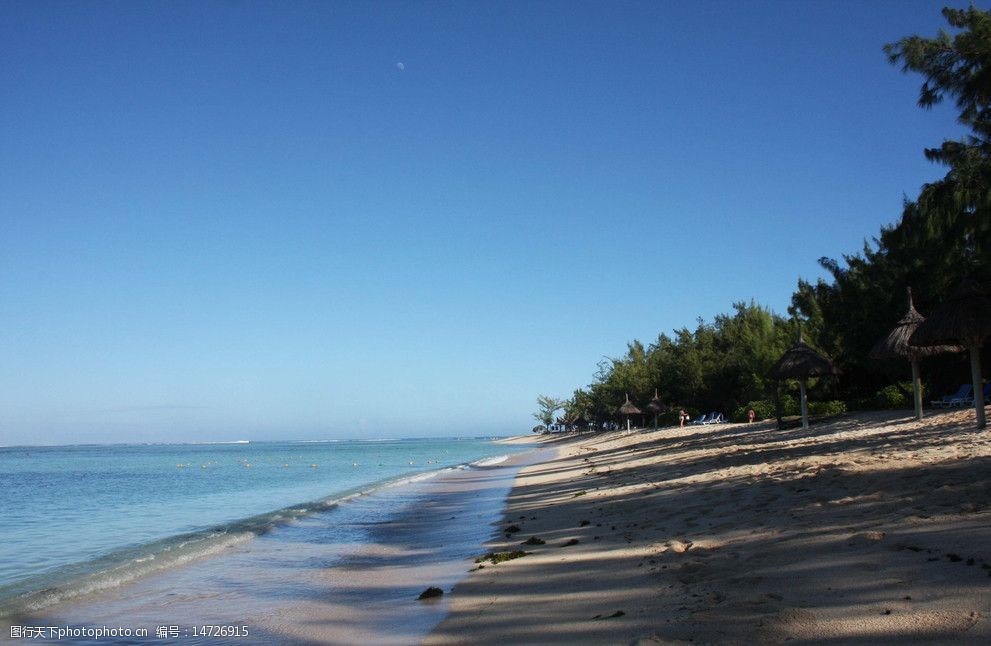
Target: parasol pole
[
  {"x": 916, "y": 388},
  {"x": 805, "y": 405},
  {"x": 975, "y": 376}
]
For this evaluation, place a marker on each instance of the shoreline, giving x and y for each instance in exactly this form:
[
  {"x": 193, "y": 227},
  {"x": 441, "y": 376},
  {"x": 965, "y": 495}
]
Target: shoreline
[
  {"x": 869, "y": 528},
  {"x": 350, "y": 573},
  {"x": 175, "y": 513}
]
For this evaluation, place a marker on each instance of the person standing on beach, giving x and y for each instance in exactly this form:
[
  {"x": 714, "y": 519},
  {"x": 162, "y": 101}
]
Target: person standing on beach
[
  {"x": 751, "y": 416},
  {"x": 682, "y": 416}
]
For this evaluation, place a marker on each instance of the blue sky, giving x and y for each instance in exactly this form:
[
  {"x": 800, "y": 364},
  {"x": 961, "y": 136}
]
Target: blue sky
[{"x": 239, "y": 220}]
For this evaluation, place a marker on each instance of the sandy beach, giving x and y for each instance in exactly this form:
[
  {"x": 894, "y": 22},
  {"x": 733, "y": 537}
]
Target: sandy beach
[{"x": 871, "y": 528}]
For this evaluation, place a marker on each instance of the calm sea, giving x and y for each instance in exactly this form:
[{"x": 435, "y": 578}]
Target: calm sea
[{"x": 79, "y": 519}]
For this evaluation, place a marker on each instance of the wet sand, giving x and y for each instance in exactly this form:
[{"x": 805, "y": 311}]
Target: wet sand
[{"x": 872, "y": 528}]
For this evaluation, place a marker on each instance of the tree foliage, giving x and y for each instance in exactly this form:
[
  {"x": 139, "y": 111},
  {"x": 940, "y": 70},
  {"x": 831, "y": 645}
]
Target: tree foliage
[
  {"x": 715, "y": 366},
  {"x": 957, "y": 66},
  {"x": 940, "y": 236},
  {"x": 546, "y": 407}
]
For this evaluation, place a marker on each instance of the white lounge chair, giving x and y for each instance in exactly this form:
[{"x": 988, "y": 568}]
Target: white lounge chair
[{"x": 959, "y": 398}]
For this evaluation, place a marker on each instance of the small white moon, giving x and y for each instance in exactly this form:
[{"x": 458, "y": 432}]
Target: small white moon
[{"x": 401, "y": 66}]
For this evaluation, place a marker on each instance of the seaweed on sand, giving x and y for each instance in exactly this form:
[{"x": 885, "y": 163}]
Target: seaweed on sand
[
  {"x": 499, "y": 557},
  {"x": 618, "y": 613},
  {"x": 430, "y": 593}
]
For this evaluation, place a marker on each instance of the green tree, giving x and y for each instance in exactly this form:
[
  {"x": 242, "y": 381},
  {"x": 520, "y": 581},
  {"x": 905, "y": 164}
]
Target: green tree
[
  {"x": 546, "y": 407},
  {"x": 747, "y": 343},
  {"x": 941, "y": 235},
  {"x": 958, "y": 66},
  {"x": 717, "y": 366},
  {"x": 581, "y": 404}
]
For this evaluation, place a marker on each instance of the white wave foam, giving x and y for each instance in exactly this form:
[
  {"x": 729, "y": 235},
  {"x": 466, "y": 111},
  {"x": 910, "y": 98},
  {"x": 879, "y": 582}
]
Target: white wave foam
[
  {"x": 124, "y": 573},
  {"x": 489, "y": 462},
  {"x": 418, "y": 477},
  {"x": 222, "y": 442}
]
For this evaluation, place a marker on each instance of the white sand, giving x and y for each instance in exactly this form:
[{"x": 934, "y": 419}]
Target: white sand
[{"x": 871, "y": 529}]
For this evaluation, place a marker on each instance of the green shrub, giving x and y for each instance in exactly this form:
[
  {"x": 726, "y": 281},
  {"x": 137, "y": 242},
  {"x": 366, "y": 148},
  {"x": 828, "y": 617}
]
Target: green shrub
[
  {"x": 670, "y": 418},
  {"x": 790, "y": 405},
  {"x": 862, "y": 403},
  {"x": 891, "y": 397},
  {"x": 765, "y": 409},
  {"x": 825, "y": 409}
]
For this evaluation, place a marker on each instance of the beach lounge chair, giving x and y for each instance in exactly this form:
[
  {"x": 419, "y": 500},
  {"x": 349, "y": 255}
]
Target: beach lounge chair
[
  {"x": 986, "y": 391},
  {"x": 716, "y": 418},
  {"x": 966, "y": 400},
  {"x": 700, "y": 421},
  {"x": 958, "y": 398}
]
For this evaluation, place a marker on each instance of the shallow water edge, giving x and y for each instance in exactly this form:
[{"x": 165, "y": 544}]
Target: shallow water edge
[{"x": 347, "y": 574}]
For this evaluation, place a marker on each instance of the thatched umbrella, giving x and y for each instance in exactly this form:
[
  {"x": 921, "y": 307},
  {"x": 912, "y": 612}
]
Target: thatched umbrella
[
  {"x": 656, "y": 406},
  {"x": 896, "y": 345},
  {"x": 801, "y": 362},
  {"x": 964, "y": 318},
  {"x": 628, "y": 409},
  {"x": 578, "y": 421}
]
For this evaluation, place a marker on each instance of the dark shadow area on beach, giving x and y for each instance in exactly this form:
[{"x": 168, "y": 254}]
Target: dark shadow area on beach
[{"x": 768, "y": 546}]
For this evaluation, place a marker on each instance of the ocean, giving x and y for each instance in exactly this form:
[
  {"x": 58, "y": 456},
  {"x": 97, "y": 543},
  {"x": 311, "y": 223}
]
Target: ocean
[{"x": 83, "y": 521}]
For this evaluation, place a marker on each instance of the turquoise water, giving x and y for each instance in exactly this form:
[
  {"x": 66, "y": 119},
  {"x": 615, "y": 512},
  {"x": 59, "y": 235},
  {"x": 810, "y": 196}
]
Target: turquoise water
[{"x": 87, "y": 517}]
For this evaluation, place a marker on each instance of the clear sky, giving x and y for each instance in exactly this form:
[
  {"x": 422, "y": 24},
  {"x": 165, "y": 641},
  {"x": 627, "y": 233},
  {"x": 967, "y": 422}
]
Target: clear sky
[{"x": 267, "y": 220}]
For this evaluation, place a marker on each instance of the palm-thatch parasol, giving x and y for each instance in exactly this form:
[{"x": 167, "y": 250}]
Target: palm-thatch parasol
[
  {"x": 801, "y": 362},
  {"x": 578, "y": 420},
  {"x": 964, "y": 318},
  {"x": 628, "y": 409},
  {"x": 656, "y": 406},
  {"x": 896, "y": 345}
]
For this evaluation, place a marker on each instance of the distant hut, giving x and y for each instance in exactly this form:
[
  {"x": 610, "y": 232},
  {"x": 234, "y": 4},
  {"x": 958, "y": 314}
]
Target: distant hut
[
  {"x": 656, "y": 406},
  {"x": 801, "y": 362},
  {"x": 896, "y": 345},
  {"x": 964, "y": 318},
  {"x": 578, "y": 421},
  {"x": 628, "y": 409}
]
